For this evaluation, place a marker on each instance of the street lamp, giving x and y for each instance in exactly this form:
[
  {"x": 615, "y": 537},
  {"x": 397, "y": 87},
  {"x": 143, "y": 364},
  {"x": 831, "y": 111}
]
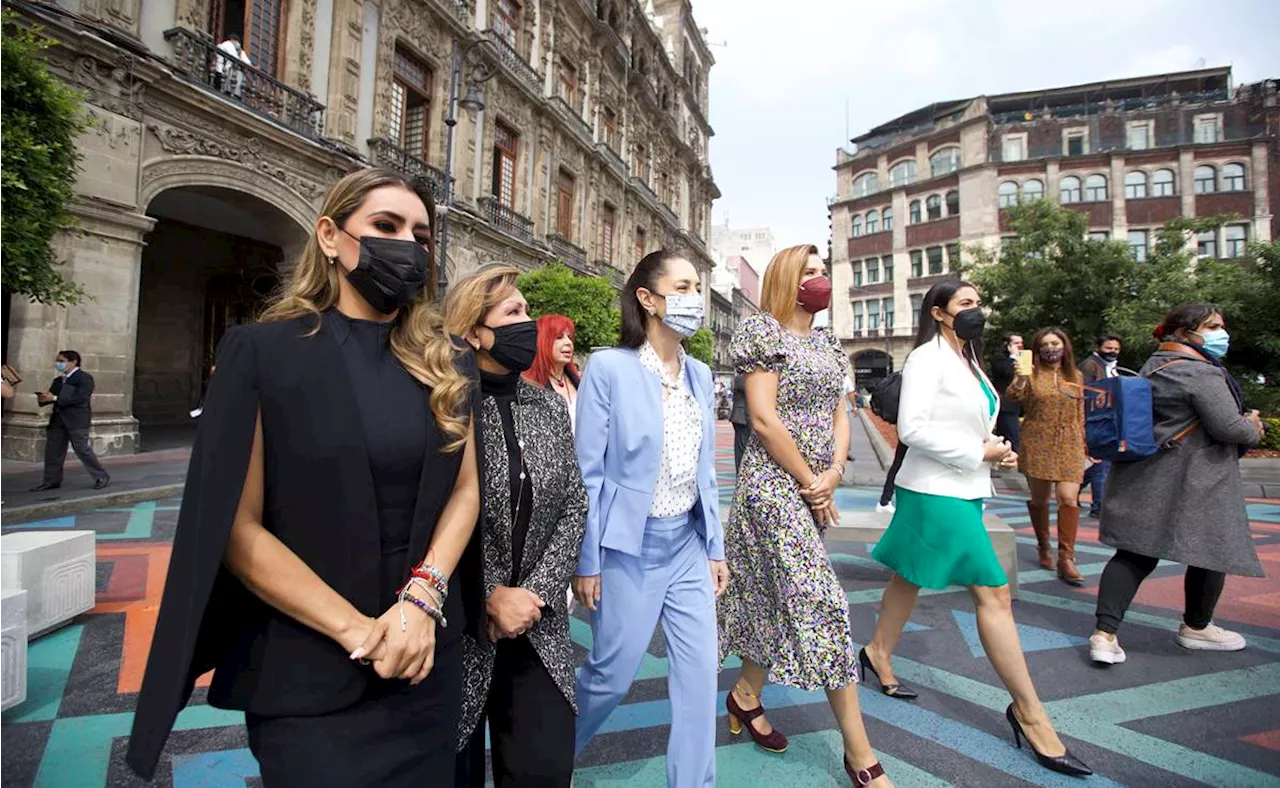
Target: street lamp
[{"x": 478, "y": 71}]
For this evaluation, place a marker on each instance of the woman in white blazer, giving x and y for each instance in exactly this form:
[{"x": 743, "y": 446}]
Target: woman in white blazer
[{"x": 945, "y": 415}]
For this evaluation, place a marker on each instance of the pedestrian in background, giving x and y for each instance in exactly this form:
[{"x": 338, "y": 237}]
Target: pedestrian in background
[
  {"x": 1184, "y": 503},
  {"x": 740, "y": 418},
  {"x": 1102, "y": 363},
  {"x": 69, "y": 394},
  {"x": 1008, "y": 423},
  {"x": 554, "y": 368},
  {"x": 1054, "y": 454}
]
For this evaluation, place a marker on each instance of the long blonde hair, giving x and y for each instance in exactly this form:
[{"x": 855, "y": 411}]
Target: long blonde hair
[
  {"x": 475, "y": 294},
  {"x": 418, "y": 338},
  {"x": 782, "y": 280}
]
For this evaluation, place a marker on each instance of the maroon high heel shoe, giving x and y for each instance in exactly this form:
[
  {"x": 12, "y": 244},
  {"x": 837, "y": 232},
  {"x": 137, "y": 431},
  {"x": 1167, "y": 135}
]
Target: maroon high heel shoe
[
  {"x": 740, "y": 718},
  {"x": 863, "y": 777}
]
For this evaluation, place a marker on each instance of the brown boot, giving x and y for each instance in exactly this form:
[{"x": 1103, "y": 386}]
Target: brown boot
[
  {"x": 1068, "y": 524},
  {"x": 1040, "y": 522}
]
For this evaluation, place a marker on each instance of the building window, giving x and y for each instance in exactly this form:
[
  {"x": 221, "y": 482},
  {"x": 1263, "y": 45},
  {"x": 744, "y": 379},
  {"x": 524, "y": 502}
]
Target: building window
[
  {"x": 944, "y": 161},
  {"x": 608, "y": 221},
  {"x": 953, "y": 257},
  {"x": 873, "y": 222},
  {"x": 1069, "y": 189},
  {"x": 887, "y": 213},
  {"x": 887, "y": 308},
  {"x": 873, "y": 315},
  {"x": 1207, "y": 244},
  {"x": 933, "y": 205},
  {"x": 260, "y": 25},
  {"x": 569, "y": 85},
  {"x": 873, "y": 271},
  {"x": 505, "y": 144},
  {"x": 1206, "y": 179},
  {"x": 1007, "y": 194},
  {"x": 866, "y": 183},
  {"x": 640, "y": 244},
  {"x": 953, "y": 203},
  {"x": 914, "y": 218},
  {"x": 1135, "y": 185},
  {"x": 1208, "y": 128},
  {"x": 410, "y": 104},
  {"x": 903, "y": 173},
  {"x": 1235, "y": 236},
  {"x": 1075, "y": 142},
  {"x": 1099, "y": 235},
  {"x": 564, "y": 206},
  {"x": 857, "y": 226},
  {"x": 1162, "y": 183},
  {"x": 917, "y": 264},
  {"x": 1095, "y": 188},
  {"x": 857, "y": 273},
  {"x": 1014, "y": 147},
  {"x": 609, "y": 127},
  {"x": 935, "y": 260},
  {"x": 886, "y": 263},
  {"x": 506, "y": 22},
  {"x": 1138, "y": 244},
  {"x": 917, "y": 301},
  {"x": 1138, "y": 135},
  {"x": 641, "y": 165},
  {"x": 857, "y": 316},
  {"x": 1032, "y": 190},
  {"x": 1233, "y": 178}
]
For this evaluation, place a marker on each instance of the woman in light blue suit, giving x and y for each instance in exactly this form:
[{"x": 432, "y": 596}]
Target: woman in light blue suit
[{"x": 654, "y": 547}]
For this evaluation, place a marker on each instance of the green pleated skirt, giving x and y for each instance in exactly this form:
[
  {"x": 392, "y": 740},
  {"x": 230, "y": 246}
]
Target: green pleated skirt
[{"x": 935, "y": 541}]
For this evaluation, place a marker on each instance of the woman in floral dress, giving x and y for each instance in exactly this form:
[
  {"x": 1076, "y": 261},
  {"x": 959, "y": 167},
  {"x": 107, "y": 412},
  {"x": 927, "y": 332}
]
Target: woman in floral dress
[{"x": 785, "y": 612}]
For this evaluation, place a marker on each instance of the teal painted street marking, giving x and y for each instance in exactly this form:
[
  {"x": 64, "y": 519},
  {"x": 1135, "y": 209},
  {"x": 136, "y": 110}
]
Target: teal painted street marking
[
  {"x": 49, "y": 661},
  {"x": 141, "y": 519},
  {"x": 1032, "y": 638}
]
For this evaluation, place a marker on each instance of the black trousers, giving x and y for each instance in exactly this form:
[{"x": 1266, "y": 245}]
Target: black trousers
[
  {"x": 740, "y": 434},
  {"x": 530, "y": 726},
  {"x": 1126, "y": 571},
  {"x": 55, "y": 452},
  {"x": 1009, "y": 428},
  {"x": 886, "y": 494}
]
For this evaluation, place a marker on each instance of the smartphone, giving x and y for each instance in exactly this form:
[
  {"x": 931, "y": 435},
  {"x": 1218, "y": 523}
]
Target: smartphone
[{"x": 1023, "y": 363}]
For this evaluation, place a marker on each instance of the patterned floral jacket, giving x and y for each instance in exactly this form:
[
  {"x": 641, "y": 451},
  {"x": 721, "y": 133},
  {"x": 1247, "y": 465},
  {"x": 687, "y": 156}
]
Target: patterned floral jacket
[{"x": 551, "y": 545}]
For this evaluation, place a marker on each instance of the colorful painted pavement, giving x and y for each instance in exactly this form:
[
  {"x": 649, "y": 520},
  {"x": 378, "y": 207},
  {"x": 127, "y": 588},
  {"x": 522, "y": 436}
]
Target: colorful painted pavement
[{"x": 1168, "y": 717}]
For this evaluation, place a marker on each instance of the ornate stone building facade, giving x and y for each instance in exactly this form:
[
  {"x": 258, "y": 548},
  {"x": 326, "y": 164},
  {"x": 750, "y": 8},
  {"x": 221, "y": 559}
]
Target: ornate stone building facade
[{"x": 203, "y": 172}]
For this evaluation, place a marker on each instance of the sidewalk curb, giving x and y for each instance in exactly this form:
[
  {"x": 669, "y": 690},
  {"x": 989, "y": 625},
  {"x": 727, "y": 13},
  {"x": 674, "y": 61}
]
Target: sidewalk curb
[
  {"x": 50, "y": 509},
  {"x": 878, "y": 444}
]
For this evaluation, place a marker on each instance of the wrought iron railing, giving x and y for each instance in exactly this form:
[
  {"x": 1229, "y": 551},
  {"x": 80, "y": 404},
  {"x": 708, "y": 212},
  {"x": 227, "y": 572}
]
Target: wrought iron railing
[
  {"x": 386, "y": 153},
  {"x": 198, "y": 59},
  {"x": 668, "y": 214},
  {"x": 572, "y": 117},
  {"x": 514, "y": 62},
  {"x": 573, "y": 256},
  {"x": 645, "y": 191},
  {"x": 505, "y": 219},
  {"x": 616, "y": 276},
  {"x": 460, "y": 10},
  {"x": 613, "y": 159}
]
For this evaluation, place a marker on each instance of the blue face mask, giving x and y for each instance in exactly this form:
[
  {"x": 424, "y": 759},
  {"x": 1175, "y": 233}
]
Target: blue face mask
[
  {"x": 61, "y": 366},
  {"x": 684, "y": 313},
  {"x": 1215, "y": 342}
]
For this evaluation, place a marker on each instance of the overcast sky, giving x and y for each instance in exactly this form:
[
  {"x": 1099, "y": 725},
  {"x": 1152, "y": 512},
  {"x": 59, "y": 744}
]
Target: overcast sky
[{"x": 784, "y": 69}]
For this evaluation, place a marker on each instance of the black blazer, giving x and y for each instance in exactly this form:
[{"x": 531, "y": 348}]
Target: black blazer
[
  {"x": 319, "y": 500},
  {"x": 1002, "y": 374},
  {"x": 738, "y": 410},
  {"x": 72, "y": 406}
]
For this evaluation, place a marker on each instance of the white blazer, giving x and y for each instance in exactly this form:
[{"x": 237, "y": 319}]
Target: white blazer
[{"x": 945, "y": 420}]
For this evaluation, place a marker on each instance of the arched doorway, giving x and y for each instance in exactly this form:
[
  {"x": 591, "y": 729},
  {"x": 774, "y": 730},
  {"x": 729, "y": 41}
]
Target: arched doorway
[
  {"x": 870, "y": 367},
  {"x": 212, "y": 261}
]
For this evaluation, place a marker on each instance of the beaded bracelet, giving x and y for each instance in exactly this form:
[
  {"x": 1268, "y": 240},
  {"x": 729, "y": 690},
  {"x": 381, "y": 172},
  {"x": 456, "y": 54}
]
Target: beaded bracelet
[
  {"x": 433, "y": 576},
  {"x": 426, "y": 607},
  {"x": 437, "y": 597}
]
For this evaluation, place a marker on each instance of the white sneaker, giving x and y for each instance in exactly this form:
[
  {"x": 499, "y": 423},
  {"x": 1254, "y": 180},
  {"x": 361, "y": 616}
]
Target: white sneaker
[
  {"x": 1211, "y": 638},
  {"x": 884, "y": 507},
  {"x": 1106, "y": 650}
]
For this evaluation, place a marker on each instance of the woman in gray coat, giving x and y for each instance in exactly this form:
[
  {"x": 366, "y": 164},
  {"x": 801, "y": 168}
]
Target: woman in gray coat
[{"x": 1186, "y": 502}]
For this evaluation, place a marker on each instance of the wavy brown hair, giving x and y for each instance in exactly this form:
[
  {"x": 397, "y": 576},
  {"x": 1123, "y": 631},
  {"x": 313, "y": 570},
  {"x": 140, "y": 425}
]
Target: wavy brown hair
[
  {"x": 475, "y": 294},
  {"x": 1068, "y": 363},
  {"x": 418, "y": 338}
]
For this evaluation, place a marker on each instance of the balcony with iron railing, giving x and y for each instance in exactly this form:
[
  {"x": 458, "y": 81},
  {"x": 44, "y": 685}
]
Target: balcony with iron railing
[
  {"x": 198, "y": 59},
  {"x": 515, "y": 63},
  {"x": 385, "y": 153},
  {"x": 504, "y": 219},
  {"x": 573, "y": 118},
  {"x": 459, "y": 10},
  {"x": 612, "y": 159},
  {"x": 616, "y": 276},
  {"x": 573, "y": 256}
]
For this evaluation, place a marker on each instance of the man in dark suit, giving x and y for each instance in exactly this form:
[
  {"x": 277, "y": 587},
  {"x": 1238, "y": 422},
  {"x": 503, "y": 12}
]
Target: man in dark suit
[
  {"x": 69, "y": 395},
  {"x": 1100, "y": 364},
  {"x": 739, "y": 419},
  {"x": 1002, "y": 373}
]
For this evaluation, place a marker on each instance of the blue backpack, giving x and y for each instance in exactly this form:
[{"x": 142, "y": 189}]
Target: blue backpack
[{"x": 1119, "y": 425}]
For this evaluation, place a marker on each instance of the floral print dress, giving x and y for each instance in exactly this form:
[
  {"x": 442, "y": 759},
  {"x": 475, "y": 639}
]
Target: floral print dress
[{"x": 784, "y": 608}]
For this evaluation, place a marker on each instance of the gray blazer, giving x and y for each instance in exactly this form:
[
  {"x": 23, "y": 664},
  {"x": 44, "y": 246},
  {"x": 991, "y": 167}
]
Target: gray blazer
[
  {"x": 1186, "y": 502},
  {"x": 551, "y": 546}
]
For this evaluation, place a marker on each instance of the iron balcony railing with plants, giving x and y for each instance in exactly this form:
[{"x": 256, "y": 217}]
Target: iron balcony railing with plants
[
  {"x": 386, "y": 153},
  {"x": 503, "y": 218},
  {"x": 573, "y": 256},
  {"x": 514, "y": 62},
  {"x": 198, "y": 59}
]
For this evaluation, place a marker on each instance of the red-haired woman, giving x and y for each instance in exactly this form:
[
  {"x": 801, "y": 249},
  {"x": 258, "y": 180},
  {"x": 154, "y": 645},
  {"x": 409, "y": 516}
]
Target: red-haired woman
[{"x": 554, "y": 368}]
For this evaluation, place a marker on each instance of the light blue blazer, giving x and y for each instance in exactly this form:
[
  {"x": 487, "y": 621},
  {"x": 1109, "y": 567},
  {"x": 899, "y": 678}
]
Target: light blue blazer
[{"x": 619, "y": 440}]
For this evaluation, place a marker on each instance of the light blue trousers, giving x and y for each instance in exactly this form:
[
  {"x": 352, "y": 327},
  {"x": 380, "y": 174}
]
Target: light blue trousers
[{"x": 669, "y": 582}]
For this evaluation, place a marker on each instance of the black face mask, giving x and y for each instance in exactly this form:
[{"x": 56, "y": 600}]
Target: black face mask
[
  {"x": 391, "y": 272},
  {"x": 969, "y": 324},
  {"x": 515, "y": 345},
  {"x": 1108, "y": 357}
]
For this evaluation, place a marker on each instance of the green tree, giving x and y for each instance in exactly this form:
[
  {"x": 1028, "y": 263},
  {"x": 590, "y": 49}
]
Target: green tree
[
  {"x": 701, "y": 345},
  {"x": 587, "y": 300},
  {"x": 41, "y": 117}
]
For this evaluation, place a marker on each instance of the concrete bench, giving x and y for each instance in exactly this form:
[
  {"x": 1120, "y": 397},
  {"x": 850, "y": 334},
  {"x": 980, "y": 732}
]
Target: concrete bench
[
  {"x": 866, "y": 527},
  {"x": 56, "y": 569},
  {"x": 13, "y": 648}
]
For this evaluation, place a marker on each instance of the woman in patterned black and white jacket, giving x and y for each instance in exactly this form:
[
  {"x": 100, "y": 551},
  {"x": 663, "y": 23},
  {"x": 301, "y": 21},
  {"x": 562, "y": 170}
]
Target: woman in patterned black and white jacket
[{"x": 534, "y": 510}]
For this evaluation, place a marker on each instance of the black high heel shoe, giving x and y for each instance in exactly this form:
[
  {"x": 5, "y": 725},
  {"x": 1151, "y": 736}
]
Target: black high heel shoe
[
  {"x": 899, "y": 691},
  {"x": 1065, "y": 763}
]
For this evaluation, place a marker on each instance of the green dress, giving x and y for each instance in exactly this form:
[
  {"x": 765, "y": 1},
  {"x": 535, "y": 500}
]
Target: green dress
[{"x": 935, "y": 541}]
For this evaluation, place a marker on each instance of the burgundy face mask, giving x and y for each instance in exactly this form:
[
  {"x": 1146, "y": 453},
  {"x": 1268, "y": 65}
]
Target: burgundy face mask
[{"x": 814, "y": 295}]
